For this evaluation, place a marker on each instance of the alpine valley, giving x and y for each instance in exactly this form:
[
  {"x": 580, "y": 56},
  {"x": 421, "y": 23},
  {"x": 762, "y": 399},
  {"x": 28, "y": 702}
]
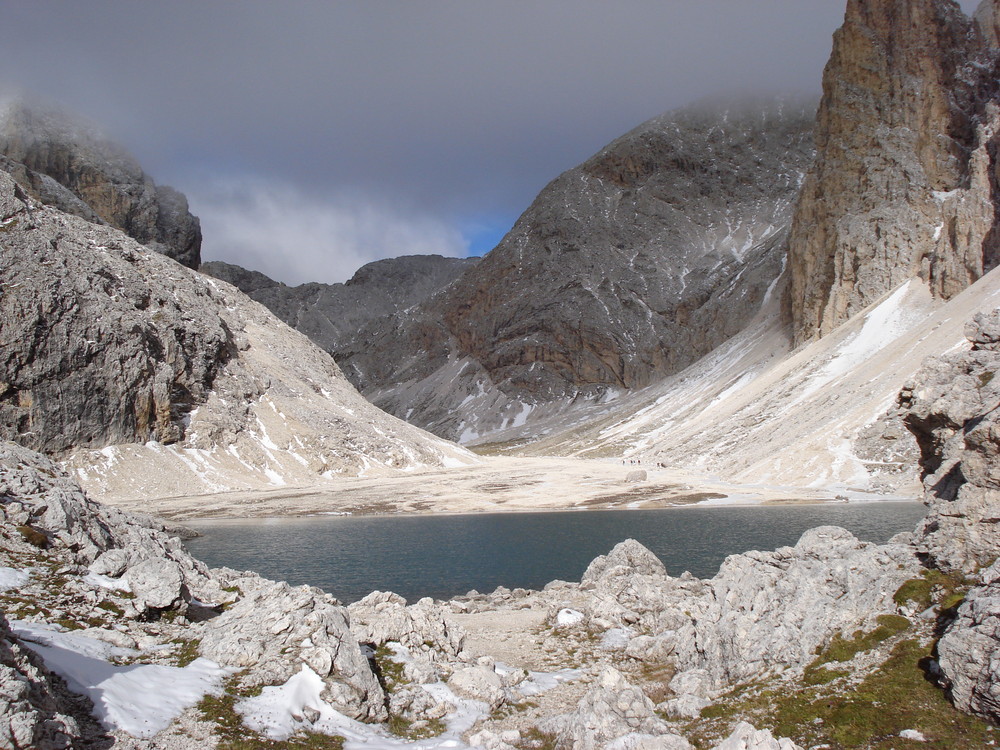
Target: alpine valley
[{"x": 762, "y": 300}]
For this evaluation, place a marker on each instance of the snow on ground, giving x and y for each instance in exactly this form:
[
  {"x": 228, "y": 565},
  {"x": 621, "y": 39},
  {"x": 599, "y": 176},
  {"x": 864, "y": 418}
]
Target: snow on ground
[
  {"x": 761, "y": 415},
  {"x": 273, "y": 712},
  {"x": 279, "y": 711},
  {"x": 140, "y": 699},
  {"x": 106, "y": 582},
  {"x": 12, "y": 578}
]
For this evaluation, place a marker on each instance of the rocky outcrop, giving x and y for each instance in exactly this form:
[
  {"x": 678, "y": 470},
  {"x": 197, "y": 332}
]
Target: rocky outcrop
[
  {"x": 65, "y": 162},
  {"x": 383, "y": 617},
  {"x": 274, "y": 628},
  {"x": 626, "y": 268},
  {"x": 336, "y": 316},
  {"x": 32, "y": 714},
  {"x": 951, "y": 408},
  {"x": 904, "y": 182},
  {"x": 109, "y": 344},
  {"x": 142, "y": 553},
  {"x": 746, "y": 737},
  {"x": 268, "y": 631},
  {"x": 967, "y": 651},
  {"x": 610, "y": 710},
  {"x": 771, "y": 610}
]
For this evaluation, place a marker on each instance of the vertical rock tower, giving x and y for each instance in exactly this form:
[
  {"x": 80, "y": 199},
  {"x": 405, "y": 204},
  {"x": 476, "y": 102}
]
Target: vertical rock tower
[{"x": 905, "y": 180}]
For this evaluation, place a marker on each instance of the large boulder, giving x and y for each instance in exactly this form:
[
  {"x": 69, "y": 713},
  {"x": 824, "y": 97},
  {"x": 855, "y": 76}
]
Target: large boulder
[
  {"x": 969, "y": 651},
  {"x": 627, "y": 558},
  {"x": 275, "y": 628},
  {"x": 746, "y": 737},
  {"x": 422, "y": 628},
  {"x": 611, "y": 711}
]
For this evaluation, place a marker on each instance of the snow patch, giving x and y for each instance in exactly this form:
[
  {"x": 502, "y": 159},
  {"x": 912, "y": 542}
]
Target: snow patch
[
  {"x": 12, "y": 578},
  {"x": 273, "y": 713},
  {"x": 140, "y": 699}
]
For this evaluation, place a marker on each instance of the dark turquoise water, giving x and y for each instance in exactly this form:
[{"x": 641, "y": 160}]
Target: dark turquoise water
[{"x": 442, "y": 556}]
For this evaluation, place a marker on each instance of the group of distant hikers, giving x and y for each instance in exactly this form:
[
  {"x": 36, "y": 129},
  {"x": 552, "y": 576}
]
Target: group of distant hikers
[{"x": 638, "y": 462}]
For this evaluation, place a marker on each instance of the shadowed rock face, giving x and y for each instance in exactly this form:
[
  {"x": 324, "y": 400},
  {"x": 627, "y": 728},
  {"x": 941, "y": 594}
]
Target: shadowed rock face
[
  {"x": 96, "y": 349},
  {"x": 47, "y": 150},
  {"x": 905, "y": 180},
  {"x": 626, "y": 268},
  {"x": 332, "y": 315}
]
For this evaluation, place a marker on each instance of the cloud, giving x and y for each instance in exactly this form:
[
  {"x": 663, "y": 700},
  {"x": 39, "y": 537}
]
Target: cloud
[{"x": 296, "y": 236}]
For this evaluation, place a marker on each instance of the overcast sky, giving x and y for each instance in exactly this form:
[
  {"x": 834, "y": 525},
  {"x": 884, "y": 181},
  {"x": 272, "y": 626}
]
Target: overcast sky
[{"x": 312, "y": 137}]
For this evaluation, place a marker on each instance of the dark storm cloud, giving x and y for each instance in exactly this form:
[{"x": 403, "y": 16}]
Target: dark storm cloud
[{"x": 451, "y": 112}]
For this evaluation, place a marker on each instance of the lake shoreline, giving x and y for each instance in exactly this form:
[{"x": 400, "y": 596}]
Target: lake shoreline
[
  {"x": 447, "y": 555},
  {"x": 499, "y": 485}
]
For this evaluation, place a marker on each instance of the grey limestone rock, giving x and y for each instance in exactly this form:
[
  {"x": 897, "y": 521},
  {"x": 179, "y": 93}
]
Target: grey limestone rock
[
  {"x": 110, "y": 542},
  {"x": 157, "y": 583},
  {"x": 768, "y": 611},
  {"x": 951, "y": 410},
  {"x": 480, "y": 683},
  {"x": 32, "y": 714},
  {"x": 110, "y": 344},
  {"x": 422, "y": 628},
  {"x": 627, "y": 558},
  {"x": 65, "y": 162},
  {"x": 746, "y": 737},
  {"x": 275, "y": 628},
  {"x": 624, "y": 269},
  {"x": 612, "y": 709},
  {"x": 968, "y": 651},
  {"x": 637, "y": 475},
  {"x": 98, "y": 351},
  {"x": 337, "y": 317}
]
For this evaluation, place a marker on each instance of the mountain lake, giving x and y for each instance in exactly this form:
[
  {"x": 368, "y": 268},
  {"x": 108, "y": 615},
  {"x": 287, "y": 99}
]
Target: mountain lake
[{"x": 446, "y": 555}]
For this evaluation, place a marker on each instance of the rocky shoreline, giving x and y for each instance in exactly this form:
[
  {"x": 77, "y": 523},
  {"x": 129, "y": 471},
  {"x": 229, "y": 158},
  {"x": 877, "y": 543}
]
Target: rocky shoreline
[{"x": 629, "y": 657}]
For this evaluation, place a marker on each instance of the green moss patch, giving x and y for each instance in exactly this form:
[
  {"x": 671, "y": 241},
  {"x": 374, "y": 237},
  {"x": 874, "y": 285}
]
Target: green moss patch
[
  {"x": 871, "y": 715},
  {"x": 388, "y": 670},
  {"x": 841, "y": 649},
  {"x": 946, "y": 589},
  {"x": 186, "y": 651}
]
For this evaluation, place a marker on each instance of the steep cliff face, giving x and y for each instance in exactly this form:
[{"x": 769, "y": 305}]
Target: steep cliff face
[
  {"x": 624, "y": 269},
  {"x": 46, "y": 149},
  {"x": 951, "y": 408},
  {"x": 905, "y": 180},
  {"x": 150, "y": 379},
  {"x": 334, "y": 315},
  {"x": 96, "y": 351}
]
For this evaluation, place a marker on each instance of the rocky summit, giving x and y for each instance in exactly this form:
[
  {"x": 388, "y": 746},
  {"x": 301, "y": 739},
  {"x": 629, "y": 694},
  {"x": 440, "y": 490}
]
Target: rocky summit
[
  {"x": 336, "y": 316},
  {"x": 624, "y": 269},
  {"x": 65, "y": 162}
]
